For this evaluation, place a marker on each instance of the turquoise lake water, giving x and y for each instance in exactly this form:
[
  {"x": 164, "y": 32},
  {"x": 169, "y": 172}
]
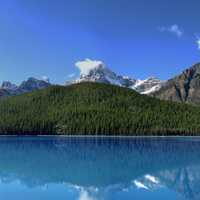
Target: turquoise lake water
[{"x": 73, "y": 168}]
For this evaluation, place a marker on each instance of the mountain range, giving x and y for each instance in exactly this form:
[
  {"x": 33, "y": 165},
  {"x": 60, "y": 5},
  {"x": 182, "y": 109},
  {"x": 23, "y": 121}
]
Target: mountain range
[
  {"x": 97, "y": 72},
  {"x": 9, "y": 89},
  {"x": 184, "y": 87}
]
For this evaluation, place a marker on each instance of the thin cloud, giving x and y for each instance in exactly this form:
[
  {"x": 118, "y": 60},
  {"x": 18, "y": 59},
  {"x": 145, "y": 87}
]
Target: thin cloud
[
  {"x": 71, "y": 75},
  {"x": 198, "y": 43},
  {"x": 174, "y": 29},
  {"x": 87, "y": 65}
]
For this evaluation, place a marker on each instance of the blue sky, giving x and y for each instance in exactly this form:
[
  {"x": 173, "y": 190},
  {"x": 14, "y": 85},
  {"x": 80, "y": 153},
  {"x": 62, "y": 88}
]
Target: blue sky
[{"x": 138, "y": 38}]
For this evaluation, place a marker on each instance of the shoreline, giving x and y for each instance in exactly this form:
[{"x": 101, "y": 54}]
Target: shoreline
[{"x": 102, "y": 136}]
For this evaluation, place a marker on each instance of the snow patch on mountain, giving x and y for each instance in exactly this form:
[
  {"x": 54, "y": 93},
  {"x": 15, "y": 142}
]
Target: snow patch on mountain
[{"x": 148, "y": 85}]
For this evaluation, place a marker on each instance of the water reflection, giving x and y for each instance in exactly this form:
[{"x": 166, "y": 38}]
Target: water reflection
[{"x": 100, "y": 168}]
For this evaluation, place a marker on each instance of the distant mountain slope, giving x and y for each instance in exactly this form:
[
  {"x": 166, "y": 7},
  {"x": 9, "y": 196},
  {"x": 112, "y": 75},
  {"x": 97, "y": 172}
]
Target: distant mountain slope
[
  {"x": 7, "y": 85},
  {"x": 182, "y": 88},
  {"x": 4, "y": 93},
  {"x": 9, "y": 89},
  {"x": 97, "y": 71},
  {"x": 33, "y": 84},
  {"x": 95, "y": 108}
]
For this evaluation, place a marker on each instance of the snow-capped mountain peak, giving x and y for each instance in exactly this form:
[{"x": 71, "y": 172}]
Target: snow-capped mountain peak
[{"x": 97, "y": 71}]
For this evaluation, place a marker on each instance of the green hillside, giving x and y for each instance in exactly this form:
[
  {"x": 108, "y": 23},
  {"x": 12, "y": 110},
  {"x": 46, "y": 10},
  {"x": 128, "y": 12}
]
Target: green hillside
[{"x": 92, "y": 108}]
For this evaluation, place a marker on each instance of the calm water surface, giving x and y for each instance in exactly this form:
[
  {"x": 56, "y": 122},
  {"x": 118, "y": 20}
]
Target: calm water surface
[{"x": 62, "y": 168}]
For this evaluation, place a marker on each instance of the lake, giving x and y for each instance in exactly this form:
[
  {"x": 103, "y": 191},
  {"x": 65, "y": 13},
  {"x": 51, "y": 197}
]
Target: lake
[{"x": 89, "y": 168}]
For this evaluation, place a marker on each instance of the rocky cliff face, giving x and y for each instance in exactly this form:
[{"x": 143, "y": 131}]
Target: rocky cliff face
[{"x": 182, "y": 88}]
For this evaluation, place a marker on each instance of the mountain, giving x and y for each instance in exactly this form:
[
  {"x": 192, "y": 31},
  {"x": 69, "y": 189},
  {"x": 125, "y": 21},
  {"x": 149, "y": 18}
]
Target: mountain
[
  {"x": 7, "y": 85},
  {"x": 182, "y": 88},
  {"x": 95, "y": 108},
  {"x": 8, "y": 89},
  {"x": 33, "y": 84},
  {"x": 96, "y": 71}
]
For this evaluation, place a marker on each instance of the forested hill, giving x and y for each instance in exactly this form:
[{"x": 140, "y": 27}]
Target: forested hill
[{"x": 94, "y": 108}]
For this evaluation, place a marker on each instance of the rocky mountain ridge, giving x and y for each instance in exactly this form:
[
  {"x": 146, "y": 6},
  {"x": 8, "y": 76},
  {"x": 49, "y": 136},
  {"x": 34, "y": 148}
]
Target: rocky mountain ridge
[{"x": 182, "y": 88}]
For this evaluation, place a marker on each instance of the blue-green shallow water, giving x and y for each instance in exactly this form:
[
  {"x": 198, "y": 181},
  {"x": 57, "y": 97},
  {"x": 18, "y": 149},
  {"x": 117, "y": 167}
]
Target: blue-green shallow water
[{"x": 68, "y": 168}]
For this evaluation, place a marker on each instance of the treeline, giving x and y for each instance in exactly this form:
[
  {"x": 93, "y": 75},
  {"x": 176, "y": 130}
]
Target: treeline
[{"x": 95, "y": 109}]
